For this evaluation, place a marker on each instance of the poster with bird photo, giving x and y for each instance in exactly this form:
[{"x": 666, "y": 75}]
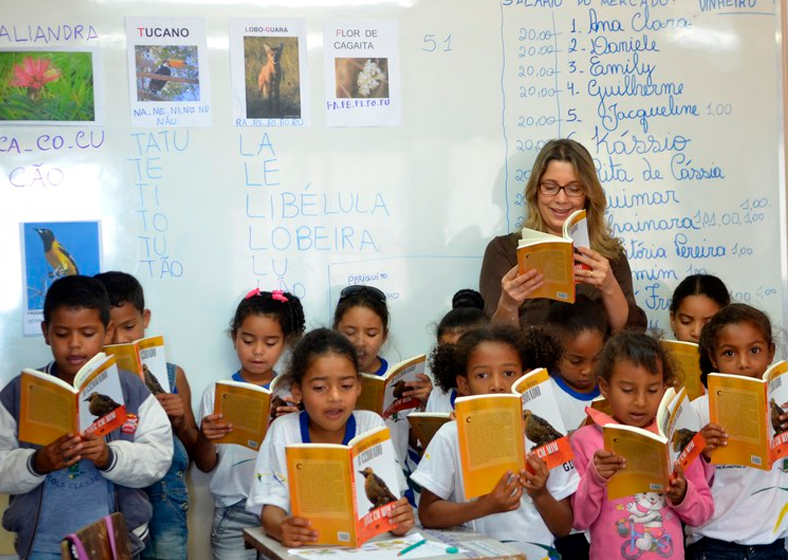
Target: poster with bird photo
[
  {"x": 51, "y": 250},
  {"x": 168, "y": 72},
  {"x": 57, "y": 86},
  {"x": 268, "y": 69}
]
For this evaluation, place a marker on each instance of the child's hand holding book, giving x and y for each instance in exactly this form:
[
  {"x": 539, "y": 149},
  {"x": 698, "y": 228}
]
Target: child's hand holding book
[
  {"x": 505, "y": 496},
  {"x": 61, "y": 453},
  {"x": 402, "y": 517},
  {"x": 534, "y": 476},
  {"x": 608, "y": 463},
  {"x": 213, "y": 427},
  {"x": 677, "y": 486},
  {"x": 297, "y": 531},
  {"x": 715, "y": 437}
]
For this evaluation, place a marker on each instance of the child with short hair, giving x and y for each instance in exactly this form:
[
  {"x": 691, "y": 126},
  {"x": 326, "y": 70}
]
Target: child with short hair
[
  {"x": 695, "y": 301},
  {"x": 634, "y": 370},
  {"x": 363, "y": 317},
  {"x": 485, "y": 361},
  {"x": 581, "y": 328},
  {"x": 264, "y": 325},
  {"x": 170, "y": 496},
  {"x": 749, "y": 518},
  {"x": 86, "y": 476},
  {"x": 467, "y": 313},
  {"x": 325, "y": 374}
]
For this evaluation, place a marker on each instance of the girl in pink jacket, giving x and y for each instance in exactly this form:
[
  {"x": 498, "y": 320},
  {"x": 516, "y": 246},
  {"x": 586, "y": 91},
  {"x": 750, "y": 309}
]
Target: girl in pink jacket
[{"x": 633, "y": 373}]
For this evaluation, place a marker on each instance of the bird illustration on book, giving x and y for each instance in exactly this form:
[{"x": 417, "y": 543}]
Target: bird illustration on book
[
  {"x": 150, "y": 380},
  {"x": 61, "y": 261},
  {"x": 399, "y": 389},
  {"x": 775, "y": 411},
  {"x": 376, "y": 490},
  {"x": 538, "y": 430},
  {"x": 100, "y": 405},
  {"x": 681, "y": 439}
]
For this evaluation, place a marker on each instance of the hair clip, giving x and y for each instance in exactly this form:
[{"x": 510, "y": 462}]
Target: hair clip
[
  {"x": 252, "y": 293},
  {"x": 279, "y": 295}
]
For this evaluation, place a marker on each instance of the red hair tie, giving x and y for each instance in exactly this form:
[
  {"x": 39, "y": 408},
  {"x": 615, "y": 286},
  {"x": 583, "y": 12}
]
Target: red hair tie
[
  {"x": 252, "y": 293},
  {"x": 279, "y": 295}
]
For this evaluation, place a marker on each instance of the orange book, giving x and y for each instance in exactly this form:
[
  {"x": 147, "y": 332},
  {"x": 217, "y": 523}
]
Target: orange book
[
  {"x": 382, "y": 394},
  {"x": 749, "y": 410},
  {"x": 146, "y": 358},
  {"x": 50, "y": 407},
  {"x": 545, "y": 432},
  {"x": 687, "y": 357},
  {"x": 651, "y": 457},
  {"x": 426, "y": 424},
  {"x": 247, "y": 407},
  {"x": 345, "y": 491},
  {"x": 553, "y": 256},
  {"x": 490, "y": 438}
]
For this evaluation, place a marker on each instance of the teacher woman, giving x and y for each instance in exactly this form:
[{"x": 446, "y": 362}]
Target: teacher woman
[{"x": 563, "y": 179}]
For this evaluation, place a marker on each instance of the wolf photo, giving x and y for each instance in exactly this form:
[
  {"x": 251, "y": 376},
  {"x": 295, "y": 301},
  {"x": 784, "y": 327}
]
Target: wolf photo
[
  {"x": 272, "y": 78},
  {"x": 46, "y": 86},
  {"x": 359, "y": 78},
  {"x": 167, "y": 72}
]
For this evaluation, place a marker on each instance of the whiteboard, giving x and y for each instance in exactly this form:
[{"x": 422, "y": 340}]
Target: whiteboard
[{"x": 678, "y": 102}]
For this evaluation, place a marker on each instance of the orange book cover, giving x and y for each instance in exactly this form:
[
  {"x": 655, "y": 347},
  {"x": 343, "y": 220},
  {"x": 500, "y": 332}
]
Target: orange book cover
[
  {"x": 383, "y": 394},
  {"x": 345, "y": 491},
  {"x": 687, "y": 358},
  {"x": 490, "y": 438},
  {"x": 147, "y": 358},
  {"x": 426, "y": 424},
  {"x": 545, "y": 432},
  {"x": 247, "y": 407},
  {"x": 51, "y": 408}
]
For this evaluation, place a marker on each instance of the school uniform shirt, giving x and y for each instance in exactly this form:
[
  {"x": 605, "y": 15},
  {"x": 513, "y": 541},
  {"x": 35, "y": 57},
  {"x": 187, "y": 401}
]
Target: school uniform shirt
[
  {"x": 645, "y": 525},
  {"x": 269, "y": 478},
  {"x": 440, "y": 400},
  {"x": 234, "y": 470},
  {"x": 440, "y": 472},
  {"x": 749, "y": 504},
  {"x": 571, "y": 403}
]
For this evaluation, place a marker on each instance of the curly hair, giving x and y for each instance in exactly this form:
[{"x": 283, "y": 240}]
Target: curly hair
[
  {"x": 282, "y": 306},
  {"x": 535, "y": 347}
]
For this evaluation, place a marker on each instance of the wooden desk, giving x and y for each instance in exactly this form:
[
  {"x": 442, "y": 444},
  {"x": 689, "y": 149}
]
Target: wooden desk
[{"x": 478, "y": 546}]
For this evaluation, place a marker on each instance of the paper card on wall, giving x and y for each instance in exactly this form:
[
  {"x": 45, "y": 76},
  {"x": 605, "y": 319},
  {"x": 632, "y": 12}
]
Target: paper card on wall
[
  {"x": 169, "y": 85},
  {"x": 362, "y": 73},
  {"x": 51, "y": 250},
  {"x": 51, "y": 86},
  {"x": 268, "y": 66}
]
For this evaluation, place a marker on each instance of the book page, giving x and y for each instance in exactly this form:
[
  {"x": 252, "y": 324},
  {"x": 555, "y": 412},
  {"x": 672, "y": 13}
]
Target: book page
[
  {"x": 321, "y": 490},
  {"x": 682, "y": 430},
  {"x": 126, "y": 357},
  {"x": 377, "y": 475},
  {"x": 647, "y": 467},
  {"x": 490, "y": 435},
  {"x": 393, "y": 399},
  {"x": 738, "y": 405},
  {"x": 576, "y": 228},
  {"x": 47, "y": 411},
  {"x": 246, "y": 408},
  {"x": 687, "y": 358}
]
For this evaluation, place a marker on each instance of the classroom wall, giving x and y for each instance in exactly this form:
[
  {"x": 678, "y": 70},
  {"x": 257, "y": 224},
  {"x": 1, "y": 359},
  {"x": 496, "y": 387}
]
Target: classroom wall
[{"x": 678, "y": 102}]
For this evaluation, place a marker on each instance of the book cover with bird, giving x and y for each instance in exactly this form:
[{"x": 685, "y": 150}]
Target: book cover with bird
[
  {"x": 345, "y": 491},
  {"x": 50, "y": 251},
  {"x": 147, "y": 358},
  {"x": 50, "y": 407}
]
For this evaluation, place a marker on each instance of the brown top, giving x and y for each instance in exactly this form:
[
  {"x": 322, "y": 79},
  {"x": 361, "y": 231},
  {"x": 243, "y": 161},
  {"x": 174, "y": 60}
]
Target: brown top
[{"x": 501, "y": 255}]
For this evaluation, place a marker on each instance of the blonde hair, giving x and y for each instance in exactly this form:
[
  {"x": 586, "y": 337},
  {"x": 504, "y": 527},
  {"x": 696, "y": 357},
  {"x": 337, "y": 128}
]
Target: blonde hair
[{"x": 599, "y": 232}]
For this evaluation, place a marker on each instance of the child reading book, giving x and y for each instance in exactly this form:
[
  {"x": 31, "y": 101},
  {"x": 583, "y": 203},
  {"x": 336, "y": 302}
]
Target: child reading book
[
  {"x": 467, "y": 312},
  {"x": 325, "y": 375},
  {"x": 749, "y": 503},
  {"x": 78, "y": 479},
  {"x": 265, "y": 323},
  {"x": 695, "y": 301},
  {"x": 170, "y": 496},
  {"x": 582, "y": 329},
  {"x": 527, "y": 506},
  {"x": 633, "y": 372}
]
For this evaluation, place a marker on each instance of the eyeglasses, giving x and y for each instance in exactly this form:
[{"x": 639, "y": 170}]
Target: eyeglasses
[
  {"x": 552, "y": 189},
  {"x": 358, "y": 290}
]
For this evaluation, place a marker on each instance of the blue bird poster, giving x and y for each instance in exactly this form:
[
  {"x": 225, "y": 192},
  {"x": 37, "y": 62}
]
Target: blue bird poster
[{"x": 51, "y": 250}]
